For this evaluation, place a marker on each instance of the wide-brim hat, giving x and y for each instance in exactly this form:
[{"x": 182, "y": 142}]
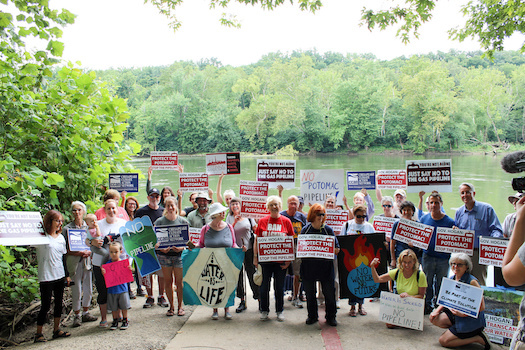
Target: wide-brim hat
[
  {"x": 216, "y": 208},
  {"x": 203, "y": 195},
  {"x": 514, "y": 197}
]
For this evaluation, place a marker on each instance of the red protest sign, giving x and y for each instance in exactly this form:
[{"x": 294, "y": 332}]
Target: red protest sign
[
  {"x": 336, "y": 218},
  {"x": 194, "y": 235},
  {"x": 384, "y": 224},
  {"x": 315, "y": 246},
  {"x": 253, "y": 207},
  {"x": 253, "y": 188},
  {"x": 193, "y": 182},
  {"x": 491, "y": 251},
  {"x": 275, "y": 248},
  {"x": 418, "y": 234},
  {"x": 391, "y": 179},
  {"x": 164, "y": 160},
  {"x": 117, "y": 272},
  {"x": 449, "y": 240}
]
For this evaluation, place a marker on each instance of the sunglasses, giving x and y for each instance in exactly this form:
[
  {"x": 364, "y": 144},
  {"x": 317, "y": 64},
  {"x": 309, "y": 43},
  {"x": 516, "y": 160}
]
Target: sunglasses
[
  {"x": 321, "y": 214},
  {"x": 360, "y": 216},
  {"x": 387, "y": 206}
]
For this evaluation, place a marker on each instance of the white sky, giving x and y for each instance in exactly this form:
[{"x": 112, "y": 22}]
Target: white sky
[{"x": 129, "y": 33}]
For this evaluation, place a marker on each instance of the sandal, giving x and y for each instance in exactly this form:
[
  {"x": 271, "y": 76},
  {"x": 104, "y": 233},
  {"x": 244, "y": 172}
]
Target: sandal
[
  {"x": 39, "y": 338},
  {"x": 170, "y": 313},
  {"x": 181, "y": 312},
  {"x": 60, "y": 334},
  {"x": 352, "y": 313},
  {"x": 362, "y": 311},
  {"x": 103, "y": 324}
]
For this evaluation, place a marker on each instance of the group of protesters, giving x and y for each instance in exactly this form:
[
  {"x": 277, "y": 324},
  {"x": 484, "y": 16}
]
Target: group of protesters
[{"x": 314, "y": 280}]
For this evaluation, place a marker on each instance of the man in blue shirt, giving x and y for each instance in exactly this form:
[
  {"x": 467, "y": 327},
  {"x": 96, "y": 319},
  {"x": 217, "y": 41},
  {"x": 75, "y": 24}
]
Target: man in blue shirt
[{"x": 482, "y": 219}]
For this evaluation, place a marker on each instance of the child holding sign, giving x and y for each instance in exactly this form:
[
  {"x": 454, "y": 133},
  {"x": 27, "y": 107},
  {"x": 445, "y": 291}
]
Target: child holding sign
[{"x": 118, "y": 296}]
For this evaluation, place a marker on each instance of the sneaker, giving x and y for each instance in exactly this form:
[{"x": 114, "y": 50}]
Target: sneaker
[
  {"x": 264, "y": 315},
  {"x": 140, "y": 292},
  {"x": 114, "y": 325},
  {"x": 297, "y": 303},
  {"x": 89, "y": 318},
  {"x": 215, "y": 316},
  {"x": 77, "y": 322},
  {"x": 149, "y": 303},
  {"x": 228, "y": 316},
  {"x": 280, "y": 316},
  {"x": 338, "y": 304},
  {"x": 241, "y": 308},
  {"x": 161, "y": 301},
  {"x": 124, "y": 324},
  {"x": 132, "y": 295}
]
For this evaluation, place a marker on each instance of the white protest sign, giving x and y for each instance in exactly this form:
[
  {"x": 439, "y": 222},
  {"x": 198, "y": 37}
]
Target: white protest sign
[
  {"x": 315, "y": 246},
  {"x": 22, "y": 228},
  {"x": 404, "y": 312},
  {"x": 193, "y": 182},
  {"x": 498, "y": 328},
  {"x": 418, "y": 234},
  {"x": 317, "y": 185},
  {"x": 276, "y": 172},
  {"x": 460, "y": 296},
  {"x": 275, "y": 248},
  {"x": 491, "y": 251},
  {"x": 164, "y": 160},
  {"x": 450, "y": 240},
  {"x": 336, "y": 218},
  {"x": 384, "y": 224},
  {"x": 429, "y": 175}
]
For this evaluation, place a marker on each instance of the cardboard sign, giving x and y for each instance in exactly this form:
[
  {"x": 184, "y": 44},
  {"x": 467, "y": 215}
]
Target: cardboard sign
[
  {"x": 336, "y": 219},
  {"x": 418, "y": 234},
  {"x": 22, "y": 228},
  {"x": 404, "y": 312},
  {"x": 499, "y": 328},
  {"x": 317, "y": 185},
  {"x": 117, "y": 272},
  {"x": 193, "y": 182},
  {"x": 124, "y": 182},
  {"x": 77, "y": 240},
  {"x": 275, "y": 248},
  {"x": 460, "y": 296},
  {"x": 429, "y": 175},
  {"x": 172, "y": 235},
  {"x": 139, "y": 242},
  {"x": 491, "y": 251},
  {"x": 449, "y": 240},
  {"x": 276, "y": 172},
  {"x": 164, "y": 160},
  {"x": 391, "y": 179},
  {"x": 357, "y": 180},
  {"x": 194, "y": 235},
  {"x": 384, "y": 224},
  {"x": 223, "y": 163},
  {"x": 315, "y": 246}
]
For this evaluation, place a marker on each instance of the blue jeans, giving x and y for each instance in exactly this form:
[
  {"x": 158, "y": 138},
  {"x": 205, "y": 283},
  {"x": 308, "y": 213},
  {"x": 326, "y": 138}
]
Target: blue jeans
[
  {"x": 268, "y": 270},
  {"x": 435, "y": 269}
]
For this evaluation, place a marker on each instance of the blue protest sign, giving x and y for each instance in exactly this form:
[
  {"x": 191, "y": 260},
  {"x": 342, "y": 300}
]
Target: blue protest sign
[
  {"x": 172, "y": 235},
  {"x": 124, "y": 182},
  {"x": 77, "y": 240},
  {"x": 357, "y": 180}
]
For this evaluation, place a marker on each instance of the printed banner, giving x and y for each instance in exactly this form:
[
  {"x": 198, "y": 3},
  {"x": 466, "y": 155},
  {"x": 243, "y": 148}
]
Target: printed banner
[
  {"x": 418, "y": 234},
  {"x": 336, "y": 219},
  {"x": 139, "y": 242},
  {"x": 276, "y": 172},
  {"x": 124, "y": 182},
  {"x": 253, "y": 189},
  {"x": 450, "y": 240},
  {"x": 193, "y": 182},
  {"x": 384, "y": 224},
  {"x": 316, "y": 246},
  {"x": 355, "y": 274},
  {"x": 253, "y": 196},
  {"x": 275, "y": 248},
  {"x": 117, "y": 272},
  {"x": 501, "y": 313},
  {"x": 22, "y": 228},
  {"x": 77, "y": 240},
  {"x": 172, "y": 236},
  {"x": 491, "y": 251},
  {"x": 194, "y": 234},
  {"x": 391, "y": 179},
  {"x": 357, "y": 180},
  {"x": 403, "y": 312},
  {"x": 499, "y": 328},
  {"x": 223, "y": 163},
  {"x": 316, "y": 185},
  {"x": 460, "y": 296},
  {"x": 429, "y": 175},
  {"x": 210, "y": 276},
  {"x": 164, "y": 160}
]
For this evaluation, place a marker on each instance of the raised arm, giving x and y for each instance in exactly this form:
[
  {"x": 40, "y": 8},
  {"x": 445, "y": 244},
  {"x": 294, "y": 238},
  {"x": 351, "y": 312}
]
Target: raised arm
[
  {"x": 148, "y": 183},
  {"x": 378, "y": 279},
  {"x": 219, "y": 189}
]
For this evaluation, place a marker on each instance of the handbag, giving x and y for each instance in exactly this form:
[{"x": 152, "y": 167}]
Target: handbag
[{"x": 257, "y": 276}]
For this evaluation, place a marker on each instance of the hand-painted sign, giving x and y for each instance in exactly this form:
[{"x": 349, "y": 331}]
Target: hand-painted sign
[
  {"x": 429, "y": 175},
  {"x": 450, "y": 240},
  {"x": 276, "y": 172},
  {"x": 77, "y": 240},
  {"x": 139, "y": 242},
  {"x": 124, "y": 182},
  {"x": 460, "y": 296},
  {"x": 164, "y": 160},
  {"x": 491, "y": 251},
  {"x": 315, "y": 246},
  {"x": 317, "y": 185},
  {"x": 223, "y": 163},
  {"x": 418, "y": 234},
  {"x": 275, "y": 248},
  {"x": 357, "y": 180},
  {"x": 404, "y": 312},
  {"x": 117, "y": 272},
  {"x": 391, "y": 179},
  {"x": 193, "y": 182},
  {"x": 336, "y": 219},
  {"x": 172, "y": 236},
  {"x": 21, "y": 228}
]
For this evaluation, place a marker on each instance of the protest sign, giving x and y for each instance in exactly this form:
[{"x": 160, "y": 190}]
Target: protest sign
[
  {"x": 315, "y": 246},
  {"x": 418, "y": 234},
  {"x": 172, "y": 235},
  {"x": 117, "y": 272},
  {"x": 210, "y": 276},
  {"x": 429, "y": 175},
  {"x": 276, "y": 172},
  {"x": 336, "y": 219},
  {"x": 77, "y": 239},
  {"x": 22, "y": 228},
  {"x": 355, "y": 274},
  {"x": 499, "y": 328},
  {"x": 391, "y": 179},
  {"x": 357, "y": 180},
  {"x": 502, "y": 314},
  {"x": 193, "y": 182},
  {"x": 223, "y": 163},
  {"x": 404, "y": 312},
  {"x": 275, "y": 248},
  {"x": 194, "y": 234},
  {"x": 491, "y": 251},
  {"x": 124, "y": 182},
  {"x": 316, "y": 185},
  {"x": 139, "y": 242},
  {"x": 450, "y": 240},
  {"x": 460, "y": 296},
  {"x": 384, "y": 224},
  {"x": 253, "y": 195},
  {"x": 164, "y": 160}
]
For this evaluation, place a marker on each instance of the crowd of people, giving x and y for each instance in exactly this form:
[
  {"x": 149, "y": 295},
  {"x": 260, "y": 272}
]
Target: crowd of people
[{"x": 314, "y": 280}]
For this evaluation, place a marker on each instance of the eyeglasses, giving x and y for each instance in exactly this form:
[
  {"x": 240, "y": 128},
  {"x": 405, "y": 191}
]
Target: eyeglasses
[
  {"x": 321, "y": 214},
  {"x": 76, "y": 209},
  {"x": 457, "y": 264},
  {"x": 58, "y": 221},
  {"x": 387, "y": 205},
  {"x": 360, "y": 216}
]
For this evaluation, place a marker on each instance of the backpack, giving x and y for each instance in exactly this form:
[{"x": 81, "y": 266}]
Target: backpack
[{"x": 397, "y": 274}]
